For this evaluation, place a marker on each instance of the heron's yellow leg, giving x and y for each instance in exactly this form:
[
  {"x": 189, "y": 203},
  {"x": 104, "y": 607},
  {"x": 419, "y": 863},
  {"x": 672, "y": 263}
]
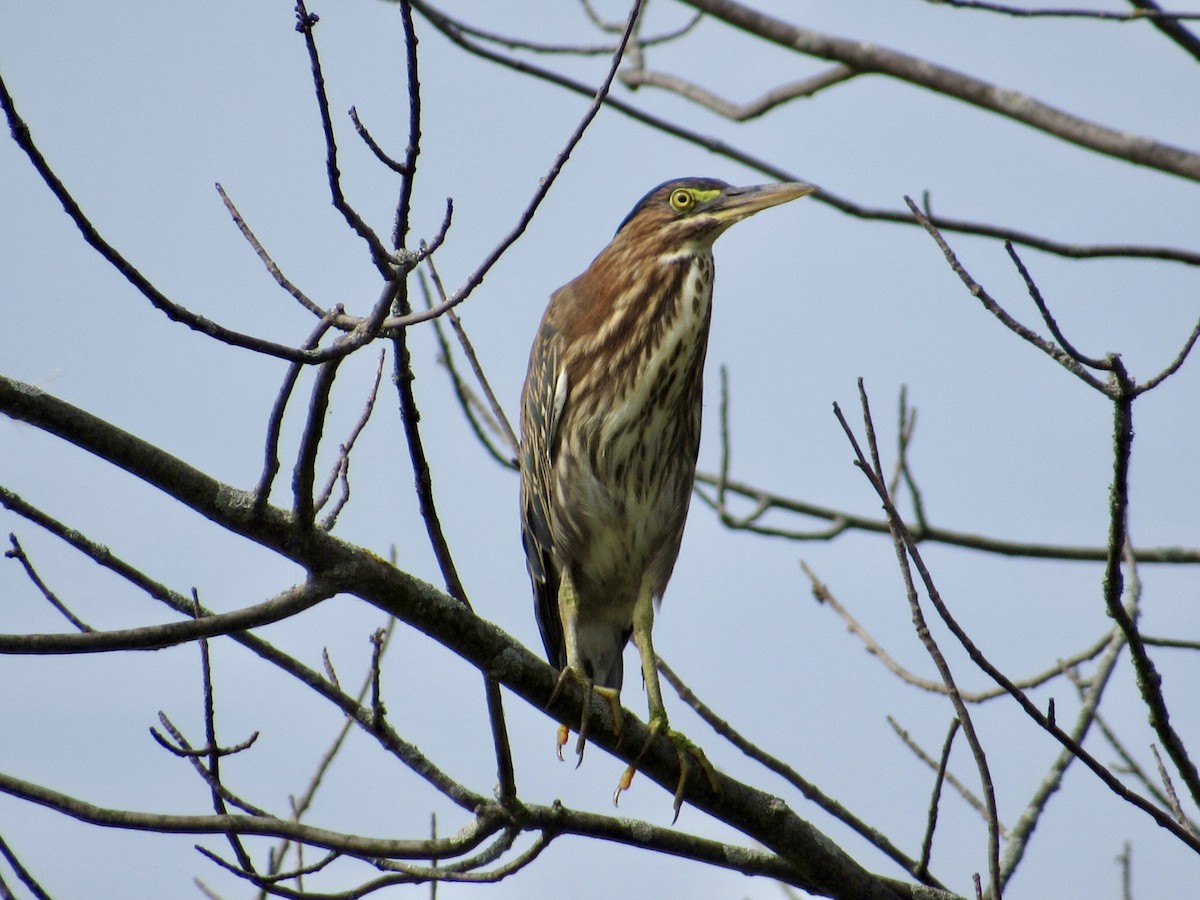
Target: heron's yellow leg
[
  {"x": 643, "y": 625},
  {"x": 568, "y": 613}
]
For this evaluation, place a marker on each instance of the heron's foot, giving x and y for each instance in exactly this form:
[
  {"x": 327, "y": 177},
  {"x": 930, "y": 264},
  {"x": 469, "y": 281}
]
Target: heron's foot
[
  {"x": 689, "y": 754},
  {"x": 610, "y": 696}
]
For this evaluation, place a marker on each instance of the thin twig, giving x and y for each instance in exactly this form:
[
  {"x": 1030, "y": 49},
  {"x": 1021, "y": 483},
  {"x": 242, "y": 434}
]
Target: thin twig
[
  {"x": 305, "y": 472},
  {"x": 413, "y": 150},
  {"x": 908, "y": 427},
  {"x": 183, "y": 748},
  {"x": 1170, "y": 642},
  {"x": 262, "y": 493},
  {"x": 963, "y": 791},
  {"x": 517, "y": 43},
  {"x": 1092, "y": 362},
  {"x": 935, "y": 798},
  {"x": 207, "y": 750},
  {"x": 1023, "y": 830},
  {"x": 260, "y": 251},
  {"x": 874, "y": 472},
  {"x": 341, "y": 468},
  {"x": 723, "y": 476},
  {"x": 1169, "y": 787},
  {"x": 378, "y": 709},
  {"x": 845, "y": 521},
  {"x": 393, "y": 164},
  {"x": 380, "y": 256},
  {"x": 1065, "y": 12},
  {"x": 1114, "y": 784},
  {"x": 1149, "y": 680},
  {"x": 473, "y": 409},
  {"x": 154, "y": 637},
  {"x": 1174, "y": 365},
  {"x": 1125, "y": 861},
  {"x": 739, "y": 112},
  {"x": 826, "y": 597},
  {"x": 468, "y": 349},
  {"x": 456, "y": 31},
  {"x": 1129, "y": 765},
  {"x": 22, "y": 873},
  {"x": 810, "y": 791},
  {"x": 1058, "y": 354},
  {"x": 18, "y": 553},
  {"x": 409, "y": 416}
]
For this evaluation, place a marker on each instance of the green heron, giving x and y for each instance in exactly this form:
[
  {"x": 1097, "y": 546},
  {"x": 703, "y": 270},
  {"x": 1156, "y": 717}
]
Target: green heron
[{"x": 610, "y": 429}]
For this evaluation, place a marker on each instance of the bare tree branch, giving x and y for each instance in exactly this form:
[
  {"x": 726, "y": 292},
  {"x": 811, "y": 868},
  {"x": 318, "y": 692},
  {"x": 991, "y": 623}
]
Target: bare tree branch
[
  {"x": 304, "y": 474},
  {"x": 22, "y": 873},
  {"x": 1149, "y": 680},
  {"x": 1022, "y": 831},
  {"x": 1061, "y": 12},
  {"x": 173, "y": 311},
  {"x": 739, "y": 112},
  {"x": 1060, "y": 355},
  {"x": 935, "y": 799},
  {"x": 843, "y": 521},
  {"x": 826, "y": 597},
  {"x": 155, "y": 637},
  {"x": 867, "y": 57},
  {"x": 380, "y": 256},
  {"x": 352, "y": 845},
  {"x": 822, "y": 866},
  {"x": 874, "y": 472},
  {"x": 262, "y": 493},
  {"x": 455, "y": 31},
  {"x": 809, "y": 790},
  {"x": 261, "y": 252},
  {"x": 340, "y": 471},
  {"x": 962, "y": 790},
  {"x": 500, "y": 419},
  {"x": 1169, "y": 25},
  {"x": 1113, "y": 783},
  {"x": 18, "y": 553},
  {"x": 325, "y": 687}
]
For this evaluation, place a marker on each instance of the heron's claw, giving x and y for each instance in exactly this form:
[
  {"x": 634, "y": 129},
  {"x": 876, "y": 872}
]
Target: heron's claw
[
  {"x": 684, "y": 748},
  {"x": 564, "y": 733},
  {"x": 610, "y": 696}
]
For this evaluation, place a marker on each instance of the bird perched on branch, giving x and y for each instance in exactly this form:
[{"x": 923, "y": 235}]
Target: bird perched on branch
[{"x": 610, "y": 429}]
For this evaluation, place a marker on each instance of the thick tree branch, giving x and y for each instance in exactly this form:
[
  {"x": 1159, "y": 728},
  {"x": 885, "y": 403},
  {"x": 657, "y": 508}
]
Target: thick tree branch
[{"x": 823, "y": 867}]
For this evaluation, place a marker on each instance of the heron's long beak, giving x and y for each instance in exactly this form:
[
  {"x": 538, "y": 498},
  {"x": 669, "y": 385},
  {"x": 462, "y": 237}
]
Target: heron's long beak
[{"x": 737, "y": 203}]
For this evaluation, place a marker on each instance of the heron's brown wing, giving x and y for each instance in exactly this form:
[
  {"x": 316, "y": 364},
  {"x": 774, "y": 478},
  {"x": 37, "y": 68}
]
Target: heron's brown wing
[{"x": 542, "y": 403}]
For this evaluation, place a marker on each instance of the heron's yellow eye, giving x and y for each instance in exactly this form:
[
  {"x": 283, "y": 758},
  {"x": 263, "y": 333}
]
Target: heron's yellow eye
[{"x": 682, "y": 201}]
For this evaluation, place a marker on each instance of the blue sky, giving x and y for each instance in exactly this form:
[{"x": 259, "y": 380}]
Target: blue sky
[{"x": 141, "y": 108}]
